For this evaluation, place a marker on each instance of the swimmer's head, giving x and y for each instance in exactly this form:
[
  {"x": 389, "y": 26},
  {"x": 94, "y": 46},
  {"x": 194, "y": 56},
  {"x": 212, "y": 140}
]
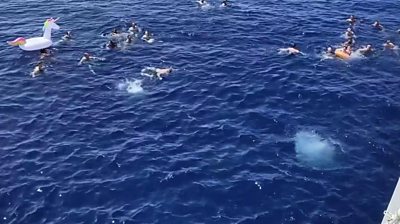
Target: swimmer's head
[
  {"x": 293, "y": 45},
  {"x": 369, "y": 46},
  {"x": 388, "y": 42},
  {"x": 86, "y": 55},
  {"x": 349, "y": 29}
]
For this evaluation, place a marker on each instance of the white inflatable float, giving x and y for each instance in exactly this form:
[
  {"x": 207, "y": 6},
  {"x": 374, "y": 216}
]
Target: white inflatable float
[{"x": 37, "y": 43}]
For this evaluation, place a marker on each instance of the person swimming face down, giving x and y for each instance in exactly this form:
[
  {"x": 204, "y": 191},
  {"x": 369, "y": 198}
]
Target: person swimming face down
[
  {"x": 377, "y": 25},
  {"x": 162, "y": 72},
  {"x": 366, "y": 50},
  {"x": 293, "y": 49}
]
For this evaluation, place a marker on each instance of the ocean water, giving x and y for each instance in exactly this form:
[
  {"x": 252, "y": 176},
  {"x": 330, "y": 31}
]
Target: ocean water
[{"x": 238, "y": 133}]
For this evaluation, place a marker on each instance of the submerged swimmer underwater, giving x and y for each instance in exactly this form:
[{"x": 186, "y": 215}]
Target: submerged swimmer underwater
[{"x": 237, "y": 133}]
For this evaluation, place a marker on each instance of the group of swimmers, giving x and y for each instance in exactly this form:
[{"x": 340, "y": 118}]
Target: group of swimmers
[
  {"x": 45, "y": 53},
  {"x": 116, "y": 38},
  {"x": 346, "y": 49}
]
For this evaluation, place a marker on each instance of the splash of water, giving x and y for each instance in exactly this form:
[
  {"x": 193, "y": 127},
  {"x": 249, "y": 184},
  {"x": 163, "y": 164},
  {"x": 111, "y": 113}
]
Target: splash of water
[
  {"x": 131, "y": 86},
  {"x": 314, "y": 150}
]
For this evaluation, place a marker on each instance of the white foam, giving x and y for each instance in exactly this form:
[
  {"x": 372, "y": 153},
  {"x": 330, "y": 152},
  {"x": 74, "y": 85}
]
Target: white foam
[
  {"x": 131, "y": 86},
  {"x": 326, "y": 56},
  {"x": 204, "y": 5},
  {"x": 314, "y": 150},
  {"x": 150, "y": 41}
]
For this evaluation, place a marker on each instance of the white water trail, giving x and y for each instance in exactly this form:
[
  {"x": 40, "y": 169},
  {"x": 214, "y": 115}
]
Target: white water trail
[
  {"x": 131, "y": 86},
  {"x": 314, "y": 150}
]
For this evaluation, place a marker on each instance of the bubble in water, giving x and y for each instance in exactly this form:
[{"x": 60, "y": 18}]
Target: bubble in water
[
  {"x": 131, "y": 86},
  {"x": 314, "y": 150}
]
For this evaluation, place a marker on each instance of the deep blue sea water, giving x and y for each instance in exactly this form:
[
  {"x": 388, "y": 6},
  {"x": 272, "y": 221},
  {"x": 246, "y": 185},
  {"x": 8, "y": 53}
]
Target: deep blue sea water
[{"x": 238, "y": 133}]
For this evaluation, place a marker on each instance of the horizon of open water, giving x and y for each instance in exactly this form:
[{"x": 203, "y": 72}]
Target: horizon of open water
[{"x": 236, "y": 134}]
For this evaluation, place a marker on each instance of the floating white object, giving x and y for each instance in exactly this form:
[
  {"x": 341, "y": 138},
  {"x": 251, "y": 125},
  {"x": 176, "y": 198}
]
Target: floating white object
[
  {"x": 392, "y": 213},
  {"x": 37, "y": 43}
]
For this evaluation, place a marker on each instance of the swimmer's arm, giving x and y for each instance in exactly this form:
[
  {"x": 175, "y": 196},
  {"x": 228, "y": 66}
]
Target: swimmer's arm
[{"x": 81, "y": 61}]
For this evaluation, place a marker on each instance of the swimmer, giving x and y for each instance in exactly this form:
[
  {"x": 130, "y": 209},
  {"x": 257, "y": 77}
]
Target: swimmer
[
  {"x": 351, "y": 20},
  {"x": 160, "y": 73},
  {"x": 293, "y": 49},
  {"x": 87, "y": 58},
  {"x": 349, "y": 33},
  {"x": 202, "y": 2},
  {"x": 67, "y": 36},
  {"x": 366, "y": 50},
  {"x": 128, "y": 39},
  {"x": 134, "y": 28},
  {"x": 39, "y": 68},
  {"x": 377, "y": 25},
  {"x": 347, "y": 49},
  {"x": 224, "y": 3},
  {"x": 111, "y": 44},
  {"x": 398, "y": 31},
  {"x": 389, "y": 45},
  {"x": 146, "y": 36},
  {"x": 44, "y": 53}
]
